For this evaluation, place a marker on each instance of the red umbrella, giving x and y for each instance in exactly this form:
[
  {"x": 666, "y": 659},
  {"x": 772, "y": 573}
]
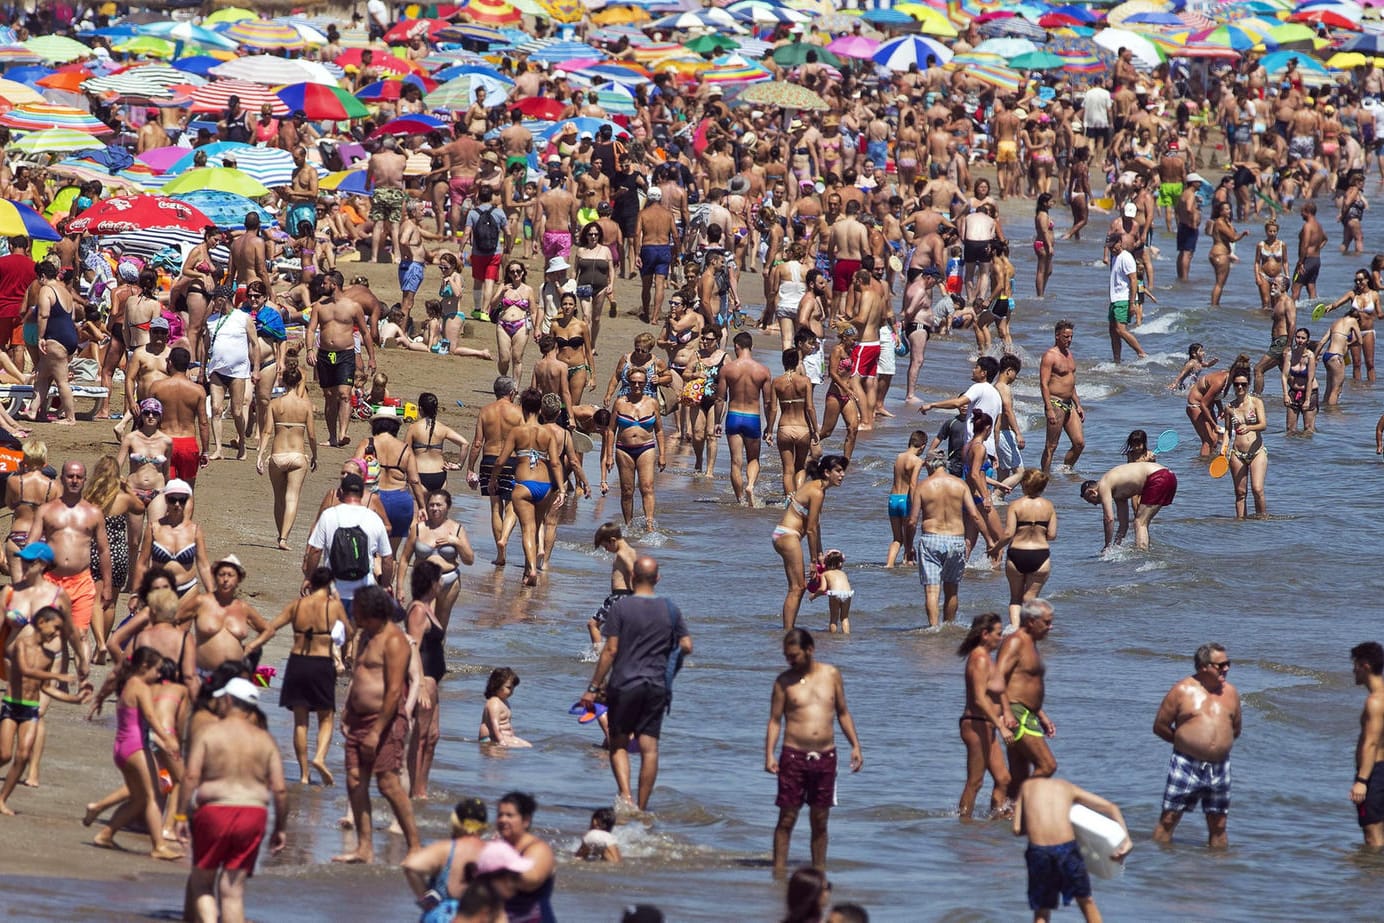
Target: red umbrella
[
  {"x": 540, "y": 107},
  {"x": 1334, "y": 20},
  {"x": 381, "y": 59},
  {"x": 408, "y": 28},
  {"x": 215, "y": 96},
  {"x": 139, "y": 213}
]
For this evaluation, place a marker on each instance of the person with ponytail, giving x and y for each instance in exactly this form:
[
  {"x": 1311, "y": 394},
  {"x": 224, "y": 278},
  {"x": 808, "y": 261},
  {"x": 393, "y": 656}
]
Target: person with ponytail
[
  {"x": 429, "y": 440},
  {"x": 982, "y": 716}
]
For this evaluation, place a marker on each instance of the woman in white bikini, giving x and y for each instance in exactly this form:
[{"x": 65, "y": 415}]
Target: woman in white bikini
[{"x": 291, "y": 448}]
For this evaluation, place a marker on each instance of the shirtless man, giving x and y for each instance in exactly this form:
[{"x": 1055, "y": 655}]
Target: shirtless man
[
  {"x": 222, "y": 621},
  {"x": 30, "y": 655},
  {"x": 72, "y": 526},
  {"x": 233, "y": 770},
  {"x": 184, "y": 417},
  {"x": 557, "y": 220},
  {"x": 1057, "y": 384},
  {"x": 1154, "y": 485},
  {"x": 1281, "y": 328},
  {"x": 1005, "y": 125},
  {"x": 942, "y": 506},
  {"x": 493, "y": 424},
  {"x": 1172, "y": 175},
  {"x": 808, "y": 699},
  {"x": 463, "y": 157},
  {"x": 516, "y": 141},
  {"x": 743, "y": 384},
  {"x": 301, "y": 195},
  {"x": 1018, "y": 679},
  {"x": 918, "y": 325},
  {"x": 1009, "y": 437},
  {"x": 1056, "y": 869},
  {"x": 1367, "y": 792},
  {"x": 908, "y": 464},
  {"x": 249, "y": 255},
  {"x": 147, "y": 364},
  {"x": 332, "y": 350},
  {"x": 375, "y": 720},
  {"x": 655, "y": 242},
  {"x": 151, "y": 134},
  {"x": 1200, "y": 717},
  {"x": 868, "y": 317},
  {"x": 385, "y": 174},
  {"x": 1188, "y": 213},
  {"x": 550, "y": 372},
  {"x": 1311, "y": 239},
  {"x": 413, "y": 255},
  {"x": 847, "y": 242}
]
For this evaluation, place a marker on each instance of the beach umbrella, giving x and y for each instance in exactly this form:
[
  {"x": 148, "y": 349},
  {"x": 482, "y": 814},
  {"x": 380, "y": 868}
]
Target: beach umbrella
[
  {"x": 29, "y": 73},
  {"x": 190, "y": 34},
  {"x": 1146, "y": 54},
  {"x": 555, "y": 52},
  {"x": 623, "y": 14},
  {"x": 19, "y": 220},
  {"x": 563, "y": 11},
  {"x": 1016, "y": 27},
  {"x": 744, "y": 72},
  {"x": 783, "y": 94},
  {"x": 540, "y": 107},
  {"x": 1002, "y": 78},
  {"x": 1037, "y": 61},
  {"x": 352, "y": 182},
  {"x": 1327, "y": 17},
  {"x": 56, "y": 140},
  {"x": 322, "y": 102},
  {"x": 407, "y": 29},
  {"x": 230, "y": 14},
  {"x": 1346, "y": 60},
  {"x": 148, "y": 46},
  {"x": 57, "y": 48},
  {"x": 265, "y": 35},
  {"x": 1152, "y": 19},
  {"x": 226, "y": 209},
  {"x": 84, "y": 171},
  {"x": 699, "y": 19},
  {"x": 411, "y": 125},
  {"x": 139, "y": 213},
  {"x": 269, "y": 166},
  {"x": 198, "y": 65},
  {"x": 854, "y": 46},
  {"x": 460, "y": 93},
  {"x": 1006, "y": 47},
  {"x": 1294, "y": 33},
  {"x": 17, "y": 94},
  {"x": 582, "y": 123},
  {"x": 67, "y": 81},
  {"x": 1276, "y": 62},
  {"x": 1120, "y": 12},
  {"x": 759, "y": 14},
  {"x": 1240, "y": 35},
  {"x": 461, "y": 70},
  {"x": 889, "y": 16},
  {"x": 1078, "y": 62},
  {"x": 393, "y": 88},
  {"x": 160, "y": 159},
  {"x": 149, "y": 82},
  {"x": 36, "y": 117},
  {"x": 492, "y": 12},
  {"x": 901, "y": 53},
  {"x": 710, "y": 43},
  {"x": 921, "y": 18},
  {"x": 222, "y": 179},
  {"x": 471, "y": 32},
  {"x": 795, "y": 55},
  {"x": 384, "y": 61},
  {"x": 1370, "y": 43},
  {"x": 274, "y": 71},
  {"x": 215, "y": 97},
  {"x": 18, "y": 54}
]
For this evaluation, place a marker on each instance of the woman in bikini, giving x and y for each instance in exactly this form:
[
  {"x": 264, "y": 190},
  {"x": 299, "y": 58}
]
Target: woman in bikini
[
  {"x": 802, "y": 519},
  {"x": 594, "y": 263},
  {"x": 1300, "y": 383},
  {"x": 982, "y": 716},
  {"x": 291, "y": 448},
  {"x": 25, "y": 491},
  {"x": 575, "y": 347},
  {"x": 906, "y": 150},
  {"x": 117, "y": 503},
  {"x": 1043, "y": 239},
  {"x": 550, "y": 414},
  {"x": 1249, "y": 461},
  {"x": 1270, "y": 255},
  {"x": 398, "y": 486},
  {"x": 1364, "y": 298},
  {"x": 173, "y": 541},
  {"x": 1353, "y": 207},
  {"x": 513, "y": 309},
  {"x": 787, "y": 282},
  {"x": 191, "y": 293},
  {"x": 682, "y": 330},
  {"x": 1079, "y": 192},
  {"x": 1042, "y": 160},
  {"x": 428, "y": 441},
  {"x": 428, "y": 633},
  {"x": 841, "y": 402},
  {"x": 1223, "y": 236},
  {"x": 442, "y": 540},
  {"x": 979, "y": 473},
  {"x": 791, "y": 394},
  {"x": 634, "y": 444},
  {"x": 1031, "y": 526},
  {"x": 537, "y": 481},
  {"x": 57, "y": 344},
  {"x": 1333, "y": 347},
  {"x": 699, "y": 395}
]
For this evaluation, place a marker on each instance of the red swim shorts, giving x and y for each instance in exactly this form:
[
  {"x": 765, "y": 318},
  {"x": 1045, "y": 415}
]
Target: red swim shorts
[
  {"x": 228, "y": 836},
  {"x": 185, "y": 459},
  {"x": 389, "y": 753},
  {"x": 865, "y": 360},
  {"x": 842, "y": 272},
  {"x": 806, "y": 778},
  {"x": 486, "y": 266},
  {"x": 1159, "y": 488},
  {"x": 81, "y": 589}
]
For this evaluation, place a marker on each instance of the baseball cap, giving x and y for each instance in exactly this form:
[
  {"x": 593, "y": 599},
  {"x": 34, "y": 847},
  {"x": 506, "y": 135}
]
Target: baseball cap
[
  {"x": 242, "y": 690},
  {"x": 499, "y": 856},
  {"x": 177, "y": 488},
  {"x": 37, "y": 551},
  {"x": 159, "y": 323},
  {"x": 353, "y": 483},
  {"x": 1130, "y": 210}
]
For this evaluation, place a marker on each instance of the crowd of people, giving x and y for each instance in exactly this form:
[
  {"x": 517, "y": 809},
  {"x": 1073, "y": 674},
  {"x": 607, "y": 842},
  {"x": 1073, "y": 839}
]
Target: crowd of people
[{"x": 872, "y": 231}]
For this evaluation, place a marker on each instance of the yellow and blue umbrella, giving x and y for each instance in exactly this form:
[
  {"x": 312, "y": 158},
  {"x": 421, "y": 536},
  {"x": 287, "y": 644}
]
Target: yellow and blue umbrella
[
  {"x": 19, "y": 220},
  {"x": 265, "y": 35}
]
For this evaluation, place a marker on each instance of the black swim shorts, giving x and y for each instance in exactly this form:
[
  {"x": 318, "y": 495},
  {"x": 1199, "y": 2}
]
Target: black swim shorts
[
  {"x": 637, "y": 709},
  {"x": 336, "y": 368},
  {"x": 1371, "y": 810}
]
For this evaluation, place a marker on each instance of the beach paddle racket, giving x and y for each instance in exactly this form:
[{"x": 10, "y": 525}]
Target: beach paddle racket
[
  {"x": 1319, "y": 311},
  {"x": 1220, "y": 465},
  {"x": 1167, "y": 441}
]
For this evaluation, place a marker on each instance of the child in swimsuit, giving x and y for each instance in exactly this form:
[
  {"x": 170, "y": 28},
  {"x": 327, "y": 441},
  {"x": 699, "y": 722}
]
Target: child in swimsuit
[
  {"x": 833, "y": 583},
  {"x": 495, "y": 723}
]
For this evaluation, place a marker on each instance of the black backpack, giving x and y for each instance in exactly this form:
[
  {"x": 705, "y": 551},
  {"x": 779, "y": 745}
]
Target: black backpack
[
  {"x": 349, "y": 557},
  {"x": 487, "y": 233}
]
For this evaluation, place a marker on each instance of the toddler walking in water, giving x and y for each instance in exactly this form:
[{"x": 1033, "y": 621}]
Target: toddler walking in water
[
  {"x": 495, "y": 726},
  {"x": 831, "y": 581}
]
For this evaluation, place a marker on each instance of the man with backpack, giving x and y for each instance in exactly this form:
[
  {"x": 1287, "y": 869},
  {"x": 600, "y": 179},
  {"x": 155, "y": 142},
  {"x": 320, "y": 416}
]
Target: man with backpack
[
  {"x": 487, "y": 230},
  {"x": 645, "y": 642},
  {"x": 347, "y": 538}
]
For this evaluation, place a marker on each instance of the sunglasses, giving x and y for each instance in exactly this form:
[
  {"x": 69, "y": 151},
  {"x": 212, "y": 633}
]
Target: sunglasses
[
  {"x": 151, "y": 413},
  {"x": 180, "y": 501},
  {"x": 1221, "y": 667}
]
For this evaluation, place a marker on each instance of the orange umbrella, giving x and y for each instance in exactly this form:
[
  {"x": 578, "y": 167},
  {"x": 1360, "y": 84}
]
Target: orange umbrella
[
  {"x": 69, "y": 81},
  {"x": 381, "y": 59}
]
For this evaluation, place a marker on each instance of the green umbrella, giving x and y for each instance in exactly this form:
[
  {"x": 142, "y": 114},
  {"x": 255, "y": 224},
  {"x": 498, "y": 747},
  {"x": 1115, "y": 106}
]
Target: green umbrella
[
  {"x": 795, "y": 54},
  {"x": 710, "y": 44},
  {"x": 1037, "y": 61},
  {"x": 57, "y": 49},
  {"x": 55, "y": 140},
  {"x": 223, "y": 179}
]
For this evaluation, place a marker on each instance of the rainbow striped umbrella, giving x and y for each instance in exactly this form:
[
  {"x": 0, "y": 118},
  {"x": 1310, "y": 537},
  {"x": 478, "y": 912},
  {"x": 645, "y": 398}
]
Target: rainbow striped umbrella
[
  {"x": 56, "y": 140},
  {"x": 89, "y": 171},
  {"x": 492, "y": 12},
  {"x": 1080, "y": 62},
  {"x": 1241, "y": 35},
  {"x": 36, "y": 117},
  {"x": 17, "y": 54},
  {"x": 57, "y": 48},
  {"x": 19, "y": 220},
  {"x": 264, "y": 34},
  {"x": 733, "y": 68},
  {"x": 215, "y": 96},
  {"x": 1002, "y": 78},
  {"x": 323, "y": 102}
]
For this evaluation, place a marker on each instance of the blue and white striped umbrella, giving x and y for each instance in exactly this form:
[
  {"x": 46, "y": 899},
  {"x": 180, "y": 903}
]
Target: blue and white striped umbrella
[
  {"x": 613, "y": 73},
  {"x": 902, "y": 53},
  {"x": 149, "y": 242},
  {"x": 713, "y": 18},
  {"x": 761, "y": 12},
  {"x": 557, "y": 51},
  {"x": 189, "y": 33},
  {"x": 270, "y": 166},
  {"x": 461, "y": 70}
]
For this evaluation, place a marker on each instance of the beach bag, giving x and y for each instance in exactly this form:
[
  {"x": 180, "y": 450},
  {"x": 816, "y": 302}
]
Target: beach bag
[
  {"x": 269, "y": 323},
  {"x": 349, "y": 557}
]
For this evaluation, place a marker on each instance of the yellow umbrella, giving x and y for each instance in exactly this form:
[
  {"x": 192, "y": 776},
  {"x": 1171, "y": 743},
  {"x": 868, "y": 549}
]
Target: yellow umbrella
[
  {"x": 224, "y": 179},
  {"x": 230, "y": 14},
  {"x": 18, "y": 94},
  {"x": 930, "y": 21},
  {"x": 620, "y": 16},
  {"x": 1341, "y": 61}
]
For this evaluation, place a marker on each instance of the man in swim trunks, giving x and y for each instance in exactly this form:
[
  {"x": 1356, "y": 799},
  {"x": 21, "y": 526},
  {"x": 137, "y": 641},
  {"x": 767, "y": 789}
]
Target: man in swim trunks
[
  {"x": 1124, "y": 289},
  {"x": 413, "y": 255},
  {"x": 557, "y": 215},
  {"x": 1154, "y": 485},
  {"x": 655, "y": 239},
  {"x": 743, "y": 384},
  {"x": 1061, "y": 406},
  {"x": 331, "y": 342},
  {"x": 29, "y": 660},
  {"x": 1188, "y": 213},
  {"x": 1200, "y": 717},
  {"x": 1311, "y": 239},
  {"x": 1005, "y": 126},
  {"x": 1019, "y": 680},
  {"x": 1281, "y": 327},
  {"x": 375, "y": 720},
  {"x": 1367, "y": 660},
  {"x": 493, "y": 424},
  {"x": 847, "y": 242},
  {"x": 1172, "y": 174},
  {"x": 233, "y": 771},
  {"x": 869, "y": 317},
  {"x": 1055, "y": 866},
  {"x": 385, "y": 173},
  {"x": 808, "y": 699},
  {"x": 185, "y": 419},
  {"x": 72, "y": 527},
  {"x": 943, "y": 514}
]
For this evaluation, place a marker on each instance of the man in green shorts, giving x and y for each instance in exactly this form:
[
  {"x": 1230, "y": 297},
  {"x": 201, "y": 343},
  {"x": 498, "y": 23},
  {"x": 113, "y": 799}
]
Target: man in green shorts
[
  {"x": 1018, "y": 680},
  {"x": 1124, "y": 286}
]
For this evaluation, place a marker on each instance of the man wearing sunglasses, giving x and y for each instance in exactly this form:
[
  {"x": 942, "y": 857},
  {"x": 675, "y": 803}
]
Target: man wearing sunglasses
[{"x": 1200, "y": 717}]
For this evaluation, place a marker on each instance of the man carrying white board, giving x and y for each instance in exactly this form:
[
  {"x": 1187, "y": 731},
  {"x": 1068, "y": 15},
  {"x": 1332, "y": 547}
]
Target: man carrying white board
[
  {"x": 1056, "y": 868},
  {"x": 1200, "y": 717}
]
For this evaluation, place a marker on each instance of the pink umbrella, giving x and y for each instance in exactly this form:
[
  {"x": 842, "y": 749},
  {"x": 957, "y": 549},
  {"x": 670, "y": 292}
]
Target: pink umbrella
[
  {"x": 161, "y": 158},
  {"x": 857, "y": 46}
]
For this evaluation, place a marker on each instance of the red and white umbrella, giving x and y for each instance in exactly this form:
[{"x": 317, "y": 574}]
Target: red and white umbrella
[
  {"x": 215, "y": 96},
  {"x": 139, "y": 213}
]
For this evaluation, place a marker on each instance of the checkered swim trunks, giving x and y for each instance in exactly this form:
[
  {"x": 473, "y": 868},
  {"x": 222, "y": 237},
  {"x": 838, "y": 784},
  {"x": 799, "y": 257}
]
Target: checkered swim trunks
[
  {"x": 941, "y": 558},
  {"x": 1190, "y": 781}
]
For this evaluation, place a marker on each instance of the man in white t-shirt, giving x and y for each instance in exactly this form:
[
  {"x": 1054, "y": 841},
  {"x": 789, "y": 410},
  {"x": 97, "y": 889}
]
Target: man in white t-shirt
[
  {"x": 1124, "y": 286},
  {"x": 378, "y": 13},
  {"x": 350, "y": 513},
  {"x": 1095, "y": 116},
  {"x": 981, "y": 395}
]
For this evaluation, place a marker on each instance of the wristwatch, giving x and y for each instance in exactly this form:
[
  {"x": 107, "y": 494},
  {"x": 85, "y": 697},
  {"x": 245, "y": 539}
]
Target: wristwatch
[
  {"x": 593, "y": 688},
  {"x": 1362, "y": 780}
]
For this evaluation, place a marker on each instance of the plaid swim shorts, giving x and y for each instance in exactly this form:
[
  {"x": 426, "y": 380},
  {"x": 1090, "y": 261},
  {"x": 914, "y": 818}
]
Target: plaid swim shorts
[
  {"x": 1190, "y": 781},
  {"x": 941, "y": 558}
]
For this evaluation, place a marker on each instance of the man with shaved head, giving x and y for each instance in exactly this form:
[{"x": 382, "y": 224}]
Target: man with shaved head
[{"x": 644, "y": 636}]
